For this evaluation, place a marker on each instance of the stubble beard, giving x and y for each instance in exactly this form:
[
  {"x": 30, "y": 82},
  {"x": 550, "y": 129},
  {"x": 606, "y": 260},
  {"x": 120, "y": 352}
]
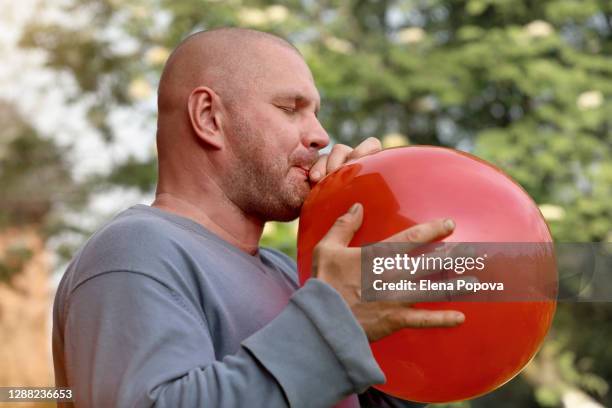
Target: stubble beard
[{"x": 260, "y": 185}]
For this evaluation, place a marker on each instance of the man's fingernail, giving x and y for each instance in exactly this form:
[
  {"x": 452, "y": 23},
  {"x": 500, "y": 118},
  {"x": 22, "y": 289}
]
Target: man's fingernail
[
  {"x": 459, "y": 318},
  {"x": 354, "y": 208},
  {"x": 315, "y": 175},
  {"x": 449, "y": 224}
]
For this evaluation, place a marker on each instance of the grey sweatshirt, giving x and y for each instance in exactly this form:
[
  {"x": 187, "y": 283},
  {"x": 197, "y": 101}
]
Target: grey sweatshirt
[{"x": 155, "y": 310}]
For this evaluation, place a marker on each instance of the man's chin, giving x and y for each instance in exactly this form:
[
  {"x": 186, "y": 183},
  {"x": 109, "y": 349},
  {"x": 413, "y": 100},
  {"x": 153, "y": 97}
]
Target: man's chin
[
  {"x": 290, "y": 211},
  {"x": 291, "y": 205},
  {"x": 284, "y": 216}
]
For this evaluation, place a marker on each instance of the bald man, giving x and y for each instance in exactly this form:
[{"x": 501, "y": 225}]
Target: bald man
[{"x": 176, "y": 305}]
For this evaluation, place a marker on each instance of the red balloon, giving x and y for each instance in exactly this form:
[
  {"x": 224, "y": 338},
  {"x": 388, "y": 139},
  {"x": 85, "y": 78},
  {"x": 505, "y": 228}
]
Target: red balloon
[{"x": 401, "y": 187}]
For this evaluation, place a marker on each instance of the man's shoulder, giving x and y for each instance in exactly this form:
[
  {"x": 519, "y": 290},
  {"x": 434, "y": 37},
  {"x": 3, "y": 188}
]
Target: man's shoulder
[
  {"x": 135, "y": 240},
  {"x": 132, "y": 232}
]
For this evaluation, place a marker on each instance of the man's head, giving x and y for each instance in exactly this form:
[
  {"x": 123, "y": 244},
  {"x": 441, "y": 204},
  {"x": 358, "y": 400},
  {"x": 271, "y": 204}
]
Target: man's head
[{"x": 238, "y": 107}]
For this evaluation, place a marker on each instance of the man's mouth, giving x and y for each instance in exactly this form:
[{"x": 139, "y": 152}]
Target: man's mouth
[
  {"x": 303, "y": 169},
  {"x": 303, "y": 164}
]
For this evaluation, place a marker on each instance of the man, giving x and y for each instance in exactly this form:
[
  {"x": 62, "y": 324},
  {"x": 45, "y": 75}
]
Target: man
[{"x": 175, "y": 305}]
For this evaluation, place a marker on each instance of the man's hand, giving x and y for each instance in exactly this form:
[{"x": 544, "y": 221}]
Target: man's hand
[
  {"x": 339, "y": 266},
  {"x": 339, "y": 155}
]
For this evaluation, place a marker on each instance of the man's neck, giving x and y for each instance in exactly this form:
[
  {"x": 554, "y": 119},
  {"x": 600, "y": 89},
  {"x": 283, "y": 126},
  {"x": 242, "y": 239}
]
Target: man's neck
[{"x": 221, "y": 218}]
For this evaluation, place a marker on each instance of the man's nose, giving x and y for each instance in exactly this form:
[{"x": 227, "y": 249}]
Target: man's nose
[{"x": 314, "y": 135}]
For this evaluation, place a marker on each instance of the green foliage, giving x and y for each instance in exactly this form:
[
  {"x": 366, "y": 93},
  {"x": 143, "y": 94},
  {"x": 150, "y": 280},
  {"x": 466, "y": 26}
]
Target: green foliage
[
  {"x": 12, "y": 262},
  {"x": 134, "y": 173},
  {"x": 282, "y": 236},
  {"x": 34, "y": 174},
  {"x": 547, "y": 397}
]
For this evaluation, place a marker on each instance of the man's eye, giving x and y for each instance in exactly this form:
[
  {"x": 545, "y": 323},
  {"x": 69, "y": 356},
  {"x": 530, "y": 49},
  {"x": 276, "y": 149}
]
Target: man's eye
[{"x": 288, "y": 109}]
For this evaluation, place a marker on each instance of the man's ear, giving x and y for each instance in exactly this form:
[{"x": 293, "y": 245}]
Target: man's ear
[{"x": 203, "y": 108}]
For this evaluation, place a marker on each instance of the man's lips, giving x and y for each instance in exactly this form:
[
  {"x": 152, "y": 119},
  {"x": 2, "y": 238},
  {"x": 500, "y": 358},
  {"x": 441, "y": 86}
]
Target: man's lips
[{"x": 304, "y": 170}]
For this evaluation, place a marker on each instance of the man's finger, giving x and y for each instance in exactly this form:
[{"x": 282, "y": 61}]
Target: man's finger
[
  {"x": 318, "y": 170},
  {"x": 369, "y": 146},
  {"x": 425, "y": 232},
  {"x": 337, "y": 157},
  {"x": 420, "y": 319},
  {"x": 345, "y": 227}
]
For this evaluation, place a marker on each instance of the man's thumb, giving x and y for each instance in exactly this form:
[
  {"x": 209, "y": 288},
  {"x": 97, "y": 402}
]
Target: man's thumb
[{"x": 345, "y": 226}]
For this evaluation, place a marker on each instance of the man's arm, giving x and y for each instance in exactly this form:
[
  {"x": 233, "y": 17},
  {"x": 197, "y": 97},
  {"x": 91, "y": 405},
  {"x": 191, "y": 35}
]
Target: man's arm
[{"x": 132, "y": 341}]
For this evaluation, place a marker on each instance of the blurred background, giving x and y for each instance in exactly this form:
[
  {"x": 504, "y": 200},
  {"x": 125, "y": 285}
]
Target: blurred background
[{"x": 524, "y": 84}]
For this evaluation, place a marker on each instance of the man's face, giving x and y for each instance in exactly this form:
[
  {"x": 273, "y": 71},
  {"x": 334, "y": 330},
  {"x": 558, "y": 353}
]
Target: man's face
[{"x": 274, "y": 137}]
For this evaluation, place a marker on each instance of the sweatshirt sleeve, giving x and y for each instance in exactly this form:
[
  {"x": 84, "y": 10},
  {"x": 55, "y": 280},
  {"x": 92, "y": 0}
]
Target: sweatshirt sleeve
[{"x": 132, "y": 341}]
